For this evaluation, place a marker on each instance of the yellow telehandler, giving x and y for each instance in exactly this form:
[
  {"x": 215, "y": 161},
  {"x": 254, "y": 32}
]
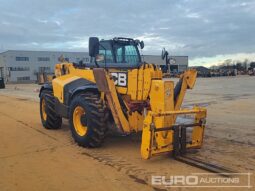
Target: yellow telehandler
[{"x": 117, "y": 89}]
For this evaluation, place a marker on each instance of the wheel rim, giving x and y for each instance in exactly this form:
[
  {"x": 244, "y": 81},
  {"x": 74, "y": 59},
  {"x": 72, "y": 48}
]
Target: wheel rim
[
  {"x": 78, "y": 116},
  {"x": 44, "y": 114}
]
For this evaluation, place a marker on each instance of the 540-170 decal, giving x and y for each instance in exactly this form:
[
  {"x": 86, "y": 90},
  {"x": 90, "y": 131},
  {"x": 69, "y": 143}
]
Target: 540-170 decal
[{"x": 120, "y": 78}]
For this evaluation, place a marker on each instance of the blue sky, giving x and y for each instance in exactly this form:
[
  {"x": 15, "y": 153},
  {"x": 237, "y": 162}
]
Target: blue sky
[{"x": 209, "y": 32}]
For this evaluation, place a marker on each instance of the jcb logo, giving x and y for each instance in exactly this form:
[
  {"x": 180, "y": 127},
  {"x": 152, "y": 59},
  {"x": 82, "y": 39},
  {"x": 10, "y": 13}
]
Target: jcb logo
[{"x": 120, "y": 78}]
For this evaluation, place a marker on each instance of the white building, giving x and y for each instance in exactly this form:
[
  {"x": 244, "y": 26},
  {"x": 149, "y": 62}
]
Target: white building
[
  {"x": 20, "y": 66},
  {"x": 24, "y": 66}
]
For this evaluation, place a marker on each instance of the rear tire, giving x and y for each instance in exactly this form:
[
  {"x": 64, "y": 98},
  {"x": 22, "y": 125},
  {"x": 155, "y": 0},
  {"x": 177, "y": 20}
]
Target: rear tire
[
  {"x": 49, "y": 117},
  {"x": 93, "y": 120}
]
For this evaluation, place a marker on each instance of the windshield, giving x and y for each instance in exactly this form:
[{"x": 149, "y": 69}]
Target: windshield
[{"x": 119, "y": 53}]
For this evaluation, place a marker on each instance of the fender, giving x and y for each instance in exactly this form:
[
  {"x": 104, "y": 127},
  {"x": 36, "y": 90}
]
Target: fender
[
  {"x": 46, "y": 86},
  {"x": 63, "y": 109},
  {"x": 73, "y": 88},
  {"x": 90, "y": 87}
]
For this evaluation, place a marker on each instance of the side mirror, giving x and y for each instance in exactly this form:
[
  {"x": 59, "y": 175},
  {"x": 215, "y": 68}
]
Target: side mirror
[
  {"x": 164, "y": 54},
  {"x": 93, "y": 46},
  {"x": 142, "y": 44}
]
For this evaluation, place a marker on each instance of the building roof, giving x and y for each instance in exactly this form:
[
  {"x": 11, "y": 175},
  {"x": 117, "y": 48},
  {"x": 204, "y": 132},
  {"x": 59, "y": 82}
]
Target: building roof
[{"x": 45, "y": 51}]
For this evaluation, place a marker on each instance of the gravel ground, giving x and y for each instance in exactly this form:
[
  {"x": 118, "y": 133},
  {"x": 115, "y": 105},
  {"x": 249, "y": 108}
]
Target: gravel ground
[{"x": 33, "y": 158}]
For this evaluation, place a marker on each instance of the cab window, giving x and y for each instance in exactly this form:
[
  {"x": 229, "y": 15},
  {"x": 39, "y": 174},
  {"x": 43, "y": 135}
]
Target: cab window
[
  {"x": 106, "y": 50},
  {"x": 119, "y": 55},
  {"x": 107, "y": 55},
  {"x": 131, "y": 55}
]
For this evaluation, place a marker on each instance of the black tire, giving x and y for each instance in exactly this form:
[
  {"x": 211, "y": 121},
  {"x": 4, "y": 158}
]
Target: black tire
[
  {"x": 52, "y": 121},
  {"x": 96, "y": 116},
  {"x": 2, "y": 85}
]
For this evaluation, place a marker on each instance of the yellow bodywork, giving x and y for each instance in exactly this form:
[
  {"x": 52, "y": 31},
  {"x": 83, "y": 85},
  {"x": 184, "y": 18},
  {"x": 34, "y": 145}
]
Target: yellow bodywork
[
  {"x": 145, "y": 85},
  {"x": 139, "y": 80}
]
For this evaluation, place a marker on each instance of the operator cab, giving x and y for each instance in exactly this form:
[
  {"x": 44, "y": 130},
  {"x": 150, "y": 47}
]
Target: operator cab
[{"x": 115, "y": 53}]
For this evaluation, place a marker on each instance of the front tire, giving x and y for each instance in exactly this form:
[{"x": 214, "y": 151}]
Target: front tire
[
  {"x": 87, "y": 120},
  {"x": 49, "y": 117}
]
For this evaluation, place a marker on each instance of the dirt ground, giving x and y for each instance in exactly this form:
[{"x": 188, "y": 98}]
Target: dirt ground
[{"x": 33, "y": 158}]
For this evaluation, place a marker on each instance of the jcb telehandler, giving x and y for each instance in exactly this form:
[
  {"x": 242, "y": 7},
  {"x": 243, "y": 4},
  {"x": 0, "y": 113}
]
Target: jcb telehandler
[{"x": 117, "y": 89}]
